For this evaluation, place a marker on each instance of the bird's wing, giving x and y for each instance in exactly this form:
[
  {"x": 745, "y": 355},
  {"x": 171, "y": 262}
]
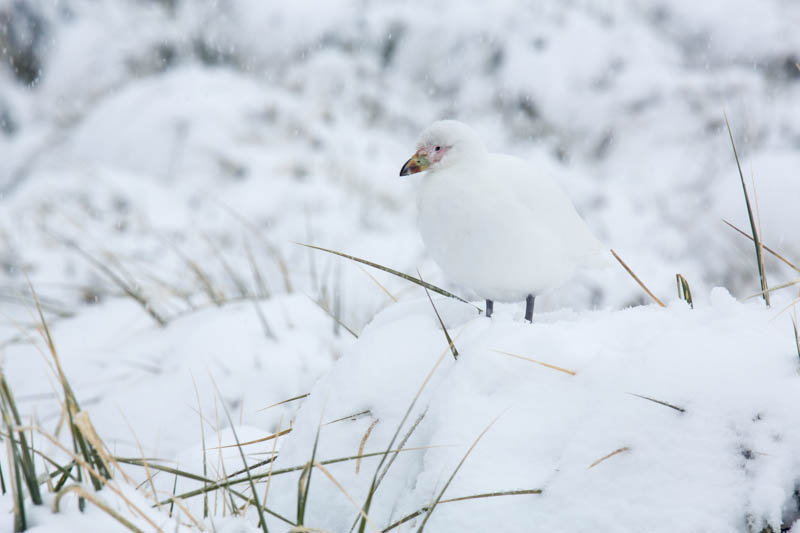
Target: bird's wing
[{"x": 548, "y": 205}]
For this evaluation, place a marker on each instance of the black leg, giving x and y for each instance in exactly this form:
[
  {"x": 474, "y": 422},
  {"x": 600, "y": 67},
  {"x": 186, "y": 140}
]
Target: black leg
[
  {"x": 489, "y": 308},
  {"x": 529, "y": 307}
]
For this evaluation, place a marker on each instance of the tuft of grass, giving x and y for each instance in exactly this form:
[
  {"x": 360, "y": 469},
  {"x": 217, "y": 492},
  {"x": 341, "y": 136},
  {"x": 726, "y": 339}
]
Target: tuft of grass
[
  {"x": 22, "y": 452},
  {"x": 684, "y": 291},
  {"x": 636, "y": 278},
  {"x": 762, "y": 275}
]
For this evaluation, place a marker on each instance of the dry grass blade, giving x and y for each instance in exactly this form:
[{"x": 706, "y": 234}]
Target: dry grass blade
[
  {"x": 762, "y": 275},
  {"x": 796, "y": 336},
  {"x": 636, "y": 278},
  {"x": 20, "y": 519},
  {"x": 400, "y": 447},
  {"x": 227, "y": 482},
  {"x": 271, "y": 464},
  {"x": 70, "y": 404},
  {"x": 610, "y": 455},
  {"x": 684, "y": 291},
  {"x": 774, "y": 288},
  {"x": 397, "y": 273},
  {"x": 258, "y": 278},
  {"x": 256, "y": 441},
  {"x": 453, "y": 475},
  {"x": 333, "y": 316},
  {"x": 300, "y": 397},
  {"x": 665, "y": 404},
  {"x": 262, "y": 320},
  {"x": 453, "y": 349},
  {"x": 764, "y": 246},
  {"x": 199, "y": 273},
  {"x": 96, "y": 475},
  {"x": 548, "y": 365},
  {"x": 364, "y": 442},
  {"x": 347, "y": 495},
  {"x": 260, "y": 509},
  {"x": 97, "y": 502},
  {"x": 271, "y": 249},
  {"x": 203, "y": 442},
  {"x": 461, "y": 499},
  {"x": 117, "y": 280},
  {"x": 378, "y": 283}
]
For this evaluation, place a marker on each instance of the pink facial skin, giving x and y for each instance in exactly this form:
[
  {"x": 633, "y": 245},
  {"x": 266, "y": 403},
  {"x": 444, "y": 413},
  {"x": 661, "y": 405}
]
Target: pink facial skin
[{"x": 434, "y": 153}]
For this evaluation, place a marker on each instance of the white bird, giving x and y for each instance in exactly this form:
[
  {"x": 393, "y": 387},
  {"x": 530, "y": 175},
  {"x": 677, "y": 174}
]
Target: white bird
[{"x": 492, "y": 222}]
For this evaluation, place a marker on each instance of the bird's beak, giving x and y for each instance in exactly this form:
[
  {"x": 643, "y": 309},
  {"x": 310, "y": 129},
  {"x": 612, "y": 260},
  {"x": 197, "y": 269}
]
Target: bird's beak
[{"x": 417, "y": 163}]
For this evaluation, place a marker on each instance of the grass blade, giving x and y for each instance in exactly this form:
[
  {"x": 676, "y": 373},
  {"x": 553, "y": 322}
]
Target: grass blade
[
  {"x": 764, "y": 246},
  {"x": 609, "y": 456},
  {"x": 636, "y": 278},
  {"x": 461, "y": 499},
  {"x": 97, "y": 502},
  {"x": 304, "y": 483},
  {"x": 453, "y": 475},
  {"x": 26, "y": 457},
  {"x": 244, "y": 462},
  {"x": 392, "y": 271},
  {"x": 117, "y": 280},
  {"x": 665, "y": 404},
  {"x": 684, "y": 292},
  {"x": 762, "y": 275},
  {"x": 441, "y": 323},
  {"x": 548, "y": 365}
]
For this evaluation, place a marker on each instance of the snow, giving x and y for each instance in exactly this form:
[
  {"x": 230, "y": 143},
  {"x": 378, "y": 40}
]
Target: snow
[{"x": 189, "y": 145}]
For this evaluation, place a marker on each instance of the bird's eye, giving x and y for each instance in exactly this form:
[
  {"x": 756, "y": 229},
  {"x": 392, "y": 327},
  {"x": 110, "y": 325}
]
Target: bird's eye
[{"x": 438, "y": 148}]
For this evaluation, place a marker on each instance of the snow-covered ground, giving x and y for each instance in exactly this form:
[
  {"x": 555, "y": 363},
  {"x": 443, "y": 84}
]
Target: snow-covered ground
[{"x": 187, "y": 146}]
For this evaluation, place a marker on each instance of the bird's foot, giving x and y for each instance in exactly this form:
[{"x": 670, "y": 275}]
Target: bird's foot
[{"x": 529, "y": 308}]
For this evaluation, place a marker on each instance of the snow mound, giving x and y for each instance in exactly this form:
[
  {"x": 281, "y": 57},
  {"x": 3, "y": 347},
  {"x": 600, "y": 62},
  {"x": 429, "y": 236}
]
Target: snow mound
[{"x": 720, "y": 457}]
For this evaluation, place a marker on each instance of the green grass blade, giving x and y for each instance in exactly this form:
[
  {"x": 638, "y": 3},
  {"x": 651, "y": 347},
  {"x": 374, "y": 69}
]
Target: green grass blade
[
  {"x": 460, "y": 499},
  {"x": 441, "y": 322},
  {"x": 756, "y": 240},
  {"x": 453, "y": 475},
  {"x": 392, "y": 271},
  {"x": 304, "y": 483}
]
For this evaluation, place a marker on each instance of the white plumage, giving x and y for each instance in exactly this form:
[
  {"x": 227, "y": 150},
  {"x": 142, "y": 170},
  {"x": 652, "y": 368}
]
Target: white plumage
[{"x": 492, "y": 222}]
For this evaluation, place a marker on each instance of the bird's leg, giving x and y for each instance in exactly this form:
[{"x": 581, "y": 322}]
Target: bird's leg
[
  {"x": 529, "y": 307},
  {"x": 489, "y": 308}
]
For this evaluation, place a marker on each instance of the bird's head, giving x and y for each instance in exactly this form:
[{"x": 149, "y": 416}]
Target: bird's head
[{"x": 443, "y": 144}]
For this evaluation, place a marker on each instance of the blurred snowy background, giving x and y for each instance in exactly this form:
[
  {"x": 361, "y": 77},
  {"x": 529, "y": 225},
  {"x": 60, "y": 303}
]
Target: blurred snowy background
[
  {"x": 185, "y": 145},
  {"x": 127, "y": 125}
]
